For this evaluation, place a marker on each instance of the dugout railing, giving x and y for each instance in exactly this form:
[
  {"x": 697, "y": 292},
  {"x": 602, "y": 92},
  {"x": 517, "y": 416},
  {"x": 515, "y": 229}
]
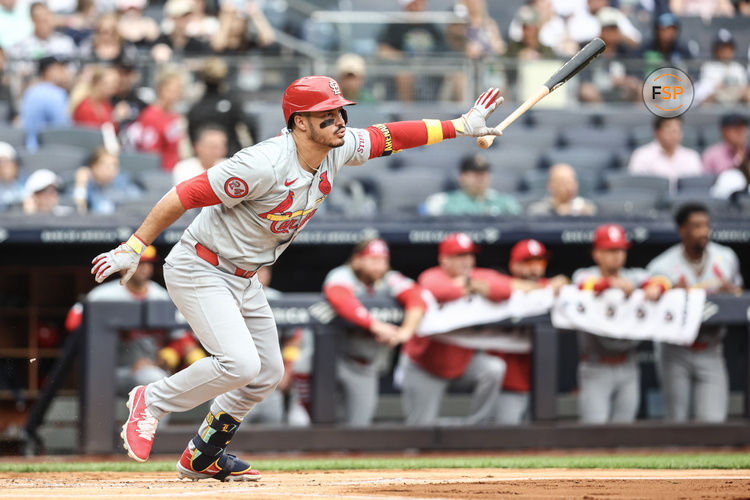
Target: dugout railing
[{"x": 99, "y": 432}]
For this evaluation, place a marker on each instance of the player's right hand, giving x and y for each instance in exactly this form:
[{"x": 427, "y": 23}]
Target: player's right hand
[
  {"x": 384, "y": 332},
  {"x": 125, "y": 257}
]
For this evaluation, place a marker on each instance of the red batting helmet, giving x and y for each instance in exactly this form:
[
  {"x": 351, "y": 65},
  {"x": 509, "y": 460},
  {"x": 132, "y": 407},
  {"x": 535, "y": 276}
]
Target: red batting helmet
[{"x": 312, "y": 93}]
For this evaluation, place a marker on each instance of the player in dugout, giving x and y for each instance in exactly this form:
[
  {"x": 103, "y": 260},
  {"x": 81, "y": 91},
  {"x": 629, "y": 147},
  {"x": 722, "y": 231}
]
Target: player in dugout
[
  {"x": 364, "y": 351},
  {"x": 253, "y": 206},
  {"x": 608, "y": 373},
  {"x": 528, "y": 262},
  {"x": 428, "y": 365}
]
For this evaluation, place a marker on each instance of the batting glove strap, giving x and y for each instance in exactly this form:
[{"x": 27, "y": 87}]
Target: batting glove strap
[{"x": 474, "y": 123}]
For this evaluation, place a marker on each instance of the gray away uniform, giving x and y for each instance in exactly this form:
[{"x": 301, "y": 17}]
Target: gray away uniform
[
  {"x": 608, "y": 374},
  {"x": 694, "y": 378},
  {"x": 266, "y": 199}
]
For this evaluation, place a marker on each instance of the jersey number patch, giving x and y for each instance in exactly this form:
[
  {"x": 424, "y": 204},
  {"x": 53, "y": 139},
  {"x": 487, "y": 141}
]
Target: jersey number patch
[{"x": 235, "y": 187}]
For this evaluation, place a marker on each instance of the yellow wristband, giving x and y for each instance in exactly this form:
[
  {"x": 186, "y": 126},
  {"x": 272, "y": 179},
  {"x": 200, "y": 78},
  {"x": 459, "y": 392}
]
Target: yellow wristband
[
  {"x": 290, "y": 353},
  {"x": 136, "y": 244},
  {"x": 434, "y": 131}
]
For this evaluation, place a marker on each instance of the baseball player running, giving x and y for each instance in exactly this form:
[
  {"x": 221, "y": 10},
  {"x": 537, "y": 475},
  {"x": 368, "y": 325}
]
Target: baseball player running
[
  {"x": 694, "y": 378},
  {"x": 254, "y": 203},
  {"x": 365, "y": 350}
]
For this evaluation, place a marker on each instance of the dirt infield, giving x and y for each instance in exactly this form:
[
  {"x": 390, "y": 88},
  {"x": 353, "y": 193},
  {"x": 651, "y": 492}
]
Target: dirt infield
[{"x": 393, "y": 484}]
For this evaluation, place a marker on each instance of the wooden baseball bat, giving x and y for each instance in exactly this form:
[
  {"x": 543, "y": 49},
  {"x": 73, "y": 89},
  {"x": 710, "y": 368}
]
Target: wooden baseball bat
[{"x": 562, "y": 75}]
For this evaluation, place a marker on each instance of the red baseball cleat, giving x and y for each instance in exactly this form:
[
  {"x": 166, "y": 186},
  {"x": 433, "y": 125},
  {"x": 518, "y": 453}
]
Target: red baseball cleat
[
  {"x": 225, "y": 468},
  {"x": 138, "y": 432}
]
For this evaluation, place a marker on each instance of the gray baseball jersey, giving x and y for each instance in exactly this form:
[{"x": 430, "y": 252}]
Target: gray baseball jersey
[
  {"x": 594, "y": 346},
  {"x": 360, "y": 344},
  {"x": 267, "y": 198},
  {"x": 721, "y": 261}
]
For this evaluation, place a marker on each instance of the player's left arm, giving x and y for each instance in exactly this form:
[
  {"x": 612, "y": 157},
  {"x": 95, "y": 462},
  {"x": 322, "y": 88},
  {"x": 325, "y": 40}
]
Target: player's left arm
[{"x": 389, "y": 138}]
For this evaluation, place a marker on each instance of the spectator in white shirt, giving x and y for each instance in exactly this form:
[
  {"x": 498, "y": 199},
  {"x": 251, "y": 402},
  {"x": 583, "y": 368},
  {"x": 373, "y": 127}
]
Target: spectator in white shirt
[
  {"x": 665, "y": 156},
  {"x": 210, "y": 148},
  {"x": 15, "y": 22},
  {"x": 733, "y": 182},
  {"x": 585, "y": 25},
  {"x": 723, "y": 80},
  {"x": 44, "y": 41}
]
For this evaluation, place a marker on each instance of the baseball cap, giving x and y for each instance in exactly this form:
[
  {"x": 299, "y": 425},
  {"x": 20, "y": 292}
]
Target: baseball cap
[
  {"x": 7, "y": 152},
  {"x": 178, "y": 8},
  {"x": 474, "y": 163},
  {"x": 611, "y": 236},
  {"x": 527, "y": 249},
  {"x": 149, "y": 254},
  {"x": 732, "y": 119},
  {"x": 456, "y": 244},
  {"x": 667, "y": 19},
  {"x": 40, "y": 180},
  {"x": 723, "y": 37},
  {"x": 376, "y": 247},
  {"x": 350, "y": 64},
  {"x": 608, "y": 16}
]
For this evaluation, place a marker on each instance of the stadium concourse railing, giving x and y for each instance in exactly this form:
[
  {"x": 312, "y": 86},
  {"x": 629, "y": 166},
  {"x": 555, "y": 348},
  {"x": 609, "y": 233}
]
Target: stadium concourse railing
[{"x": 103, "y": 321}]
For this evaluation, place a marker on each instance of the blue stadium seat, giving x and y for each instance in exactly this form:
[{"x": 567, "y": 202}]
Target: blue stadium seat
[
  {"x": 83, "y": 137},
  {"x": 59, "y": 158},
  {"x": 623, "y": 182},
  {"x": 362, "y": 116},
  {"x": 13, "y": 136},
  {"x": 611, "y": 137},
  {"x": 627, "y": 116},
  {"x": 514, "y": 158},
  {"x": 696, "y": 184},
  {"x": 540, "y": 137},
  {"x": 156, "y": 182},
  {"x": 403, "y": 191},
  {"x": 626, "y": 203},
  {"x": 581, "y": 158},
  {"x": 134, "y": 164},
  {"x": 560, "y": 117},
  {"x": 645, "y": 134}
]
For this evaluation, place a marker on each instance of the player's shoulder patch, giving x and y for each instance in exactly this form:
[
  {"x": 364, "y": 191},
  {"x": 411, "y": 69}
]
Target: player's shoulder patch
[{"x": 235, "y": 187}]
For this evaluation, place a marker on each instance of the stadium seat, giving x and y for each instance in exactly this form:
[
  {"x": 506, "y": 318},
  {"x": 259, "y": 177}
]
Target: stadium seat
[
  {"x": 626, "y": 203},
  {"x": 715, "y": 206},
  {"x": 696, "y": 184},
  {"x": 13, "y": 136},
  {"x": 627, "y": 116},
  {"x": 611, "y": 137},
  {"x": 56, "y": 157},
  {"x": 645, "y": 134},
  {"x": 540, "y": 137},
  {"x": 136, "y": 163},
  {"x": 703, "y": 117},
  {"x": 402, "y": 191},
  {"x": 622, "y": 182},
  {"x": 513, "y": 158},
  {"x": 83, "y": 137},
  {"x": 580, "y": 158},
  {"x": 362, "y": 116},
  {"x": 535, "y": 181},
  {"x": 710, "y": 136},
  {"x": 156, "y": 181},
  {"x": 445, "y": 155},
  {"x": 506, "y": 182},
  {"x": 559, "y": 117}
]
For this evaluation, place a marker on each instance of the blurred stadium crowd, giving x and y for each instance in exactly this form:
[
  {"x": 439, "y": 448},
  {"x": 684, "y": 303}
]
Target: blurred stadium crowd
[{"x": 106, "y": 104}]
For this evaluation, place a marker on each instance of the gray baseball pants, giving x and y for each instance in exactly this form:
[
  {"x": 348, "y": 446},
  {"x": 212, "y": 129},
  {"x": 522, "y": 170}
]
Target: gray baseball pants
[
  {"x": 233, "y": 321},
  {"x": 512, "y": 408},
  {"x": 693, "y": 382},
  {"x": 608, "y": 392},
  {"x": 358, "y": 384},
  {"x": 423, "y": 392}
]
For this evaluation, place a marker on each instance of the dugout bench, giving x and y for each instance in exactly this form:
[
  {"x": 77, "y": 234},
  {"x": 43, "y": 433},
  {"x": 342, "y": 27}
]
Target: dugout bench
[{"x": 99, "y": 434}]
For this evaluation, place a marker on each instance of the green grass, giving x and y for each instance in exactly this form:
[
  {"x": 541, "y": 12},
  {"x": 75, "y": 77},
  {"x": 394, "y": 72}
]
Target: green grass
[{"x": 659, "y": 461}]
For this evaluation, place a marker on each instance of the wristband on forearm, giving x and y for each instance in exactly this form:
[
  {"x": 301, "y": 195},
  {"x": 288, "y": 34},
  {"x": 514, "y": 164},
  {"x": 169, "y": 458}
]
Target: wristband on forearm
[{"x": 135, "y": 243}]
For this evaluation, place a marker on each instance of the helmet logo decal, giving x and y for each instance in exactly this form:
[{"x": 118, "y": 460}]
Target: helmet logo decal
[{"x": 335, "y": 87}]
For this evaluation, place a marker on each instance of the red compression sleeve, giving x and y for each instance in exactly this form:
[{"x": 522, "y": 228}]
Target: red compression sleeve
[
  {"x": 389, "y": 138},
  {"x": 411, "y": 298},
  {"x": 74, "y": 318},
  {"x": 197, "y": 192},
  {"x": 500, "y": 284},
  {"x": 440, "y": 285},
  {"x": 347, "y": 305}
]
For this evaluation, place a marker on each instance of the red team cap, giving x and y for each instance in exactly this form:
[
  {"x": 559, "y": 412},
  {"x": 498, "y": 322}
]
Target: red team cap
[
  {"x": 527, "y": 249},
  {"x": 457, "y": 244},
  {"x": 312, "y": 93},
  {"x": 376, "y": 248},
  {"x": 611, "y": 236}
]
